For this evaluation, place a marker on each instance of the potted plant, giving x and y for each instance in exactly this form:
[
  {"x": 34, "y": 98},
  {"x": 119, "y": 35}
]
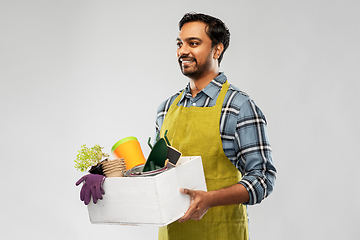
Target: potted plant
[{"x": 90, "y": 158}]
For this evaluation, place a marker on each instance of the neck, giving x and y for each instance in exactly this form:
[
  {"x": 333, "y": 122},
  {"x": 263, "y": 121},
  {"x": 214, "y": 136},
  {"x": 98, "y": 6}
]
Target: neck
[{"x": 198, "y": 84}]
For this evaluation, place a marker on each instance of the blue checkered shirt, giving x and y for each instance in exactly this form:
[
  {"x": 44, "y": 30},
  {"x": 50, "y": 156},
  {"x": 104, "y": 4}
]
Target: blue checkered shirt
[{"x": 243, "y": 134}]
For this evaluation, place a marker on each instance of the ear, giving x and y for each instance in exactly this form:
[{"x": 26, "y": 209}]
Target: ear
[{"x": 218, "y": 49}]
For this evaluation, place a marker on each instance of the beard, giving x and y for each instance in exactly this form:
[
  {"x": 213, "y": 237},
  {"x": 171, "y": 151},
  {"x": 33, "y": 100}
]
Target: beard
[{"x": 195, "y": 72}]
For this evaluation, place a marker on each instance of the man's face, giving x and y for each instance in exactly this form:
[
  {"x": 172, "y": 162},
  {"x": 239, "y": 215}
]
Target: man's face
[{"x": 195, "y": 54}]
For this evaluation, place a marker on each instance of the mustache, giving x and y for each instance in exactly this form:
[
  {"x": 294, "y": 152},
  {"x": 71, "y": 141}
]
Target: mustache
[{"x": 186, "y": 57}]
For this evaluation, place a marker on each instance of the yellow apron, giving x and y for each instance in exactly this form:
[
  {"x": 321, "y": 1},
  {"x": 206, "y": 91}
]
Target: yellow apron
[{"x": 195, "y": 132}]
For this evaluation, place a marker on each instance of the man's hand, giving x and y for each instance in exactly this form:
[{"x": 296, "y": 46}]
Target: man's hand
[
  {"x": 201, "y": 201},
  {"x": 199, "y": 204}
]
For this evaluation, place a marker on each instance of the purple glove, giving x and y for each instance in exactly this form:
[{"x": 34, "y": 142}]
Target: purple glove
[{"x": 93, "y": 186}]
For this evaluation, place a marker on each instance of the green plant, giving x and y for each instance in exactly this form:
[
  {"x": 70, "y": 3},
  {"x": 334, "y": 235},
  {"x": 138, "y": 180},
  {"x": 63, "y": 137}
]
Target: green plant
[{"x": 88, "y": 157}]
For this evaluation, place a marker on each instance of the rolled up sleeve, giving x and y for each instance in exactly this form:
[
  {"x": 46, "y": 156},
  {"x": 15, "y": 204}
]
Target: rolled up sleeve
[{"x": 254, "y": 155}]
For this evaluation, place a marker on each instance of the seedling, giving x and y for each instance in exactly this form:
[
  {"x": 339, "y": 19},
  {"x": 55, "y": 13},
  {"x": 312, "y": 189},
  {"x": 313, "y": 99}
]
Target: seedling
[{"x": 88, "y": 157}]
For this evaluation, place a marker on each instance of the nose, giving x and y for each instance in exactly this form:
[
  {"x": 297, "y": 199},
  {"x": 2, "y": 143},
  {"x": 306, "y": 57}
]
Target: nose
[{"x": 183, "y": 50}]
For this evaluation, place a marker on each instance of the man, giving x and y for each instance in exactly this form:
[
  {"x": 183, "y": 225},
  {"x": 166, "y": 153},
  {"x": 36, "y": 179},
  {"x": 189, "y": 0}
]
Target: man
[{"x": 213, "y": 119}]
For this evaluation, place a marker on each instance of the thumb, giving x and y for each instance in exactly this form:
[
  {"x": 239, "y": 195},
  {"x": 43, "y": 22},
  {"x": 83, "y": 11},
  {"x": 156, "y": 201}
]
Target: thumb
[
  {"x": 185, "y": 191},
  {"x": 80, "y": 181}
]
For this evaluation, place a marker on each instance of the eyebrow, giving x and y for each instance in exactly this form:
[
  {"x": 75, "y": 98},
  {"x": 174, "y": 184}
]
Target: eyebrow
[{"x": 189, "y": 39}]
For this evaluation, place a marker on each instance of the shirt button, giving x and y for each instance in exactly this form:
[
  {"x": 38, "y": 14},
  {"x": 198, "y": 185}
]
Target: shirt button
[{"x": 194, "y": 104}]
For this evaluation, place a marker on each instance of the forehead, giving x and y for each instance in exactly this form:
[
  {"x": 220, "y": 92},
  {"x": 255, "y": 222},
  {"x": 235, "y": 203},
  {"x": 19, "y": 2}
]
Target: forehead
[{"x": 193, "y": 30}]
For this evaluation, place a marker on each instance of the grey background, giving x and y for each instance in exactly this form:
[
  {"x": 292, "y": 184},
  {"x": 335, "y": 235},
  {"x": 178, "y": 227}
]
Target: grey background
[{"x": 88, "y": 72}]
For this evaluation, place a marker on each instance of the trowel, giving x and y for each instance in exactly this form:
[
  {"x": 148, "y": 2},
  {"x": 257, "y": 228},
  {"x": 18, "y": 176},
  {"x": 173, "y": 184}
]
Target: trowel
[{"x": 161, "y": 155}]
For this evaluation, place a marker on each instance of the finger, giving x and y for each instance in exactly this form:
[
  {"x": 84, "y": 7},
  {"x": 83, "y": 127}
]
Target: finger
[
  {"x": 190, "y": 210},
  {"x": 80, "y": 181},
  {"x": 87, "y": 195},
  {"x": 101, "y": 186},
  {"x": 82, "y": 192},
  {"x": 188, "y": 214},
  {"x": 94, "y": 197},
  {"x": 96, "y": 194}
]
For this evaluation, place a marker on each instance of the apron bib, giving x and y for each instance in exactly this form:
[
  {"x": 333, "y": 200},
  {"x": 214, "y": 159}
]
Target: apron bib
[{"x": 194, "y": 131}]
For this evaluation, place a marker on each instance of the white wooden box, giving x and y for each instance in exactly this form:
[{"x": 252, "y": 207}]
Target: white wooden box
[{"x": 152, "y": 200}]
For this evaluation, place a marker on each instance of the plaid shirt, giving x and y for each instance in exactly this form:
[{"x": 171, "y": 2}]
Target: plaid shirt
[{"x": 243, "y": 134}]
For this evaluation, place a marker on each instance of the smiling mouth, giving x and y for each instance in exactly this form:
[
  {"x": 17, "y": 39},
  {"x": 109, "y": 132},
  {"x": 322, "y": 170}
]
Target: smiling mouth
[{"x": 186, "y": 61}]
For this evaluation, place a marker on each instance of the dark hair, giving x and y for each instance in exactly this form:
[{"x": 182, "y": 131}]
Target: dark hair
[{"x": 216, "y": 29}]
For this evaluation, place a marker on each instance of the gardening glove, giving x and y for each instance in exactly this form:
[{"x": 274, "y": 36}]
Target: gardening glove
[{"x": 93, "y": 186}]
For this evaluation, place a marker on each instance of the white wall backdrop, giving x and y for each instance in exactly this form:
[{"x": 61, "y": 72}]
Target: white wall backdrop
[{"x": 88, "y": 72}]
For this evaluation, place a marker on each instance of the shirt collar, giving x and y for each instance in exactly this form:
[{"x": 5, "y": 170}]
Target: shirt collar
[{"x": 210, "y": 90}]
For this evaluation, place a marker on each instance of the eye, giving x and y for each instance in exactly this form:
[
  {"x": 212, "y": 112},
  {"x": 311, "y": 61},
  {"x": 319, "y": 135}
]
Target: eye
[
  {"x": 179, "y": 44},
  {"x": 194, "y": 44}
]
